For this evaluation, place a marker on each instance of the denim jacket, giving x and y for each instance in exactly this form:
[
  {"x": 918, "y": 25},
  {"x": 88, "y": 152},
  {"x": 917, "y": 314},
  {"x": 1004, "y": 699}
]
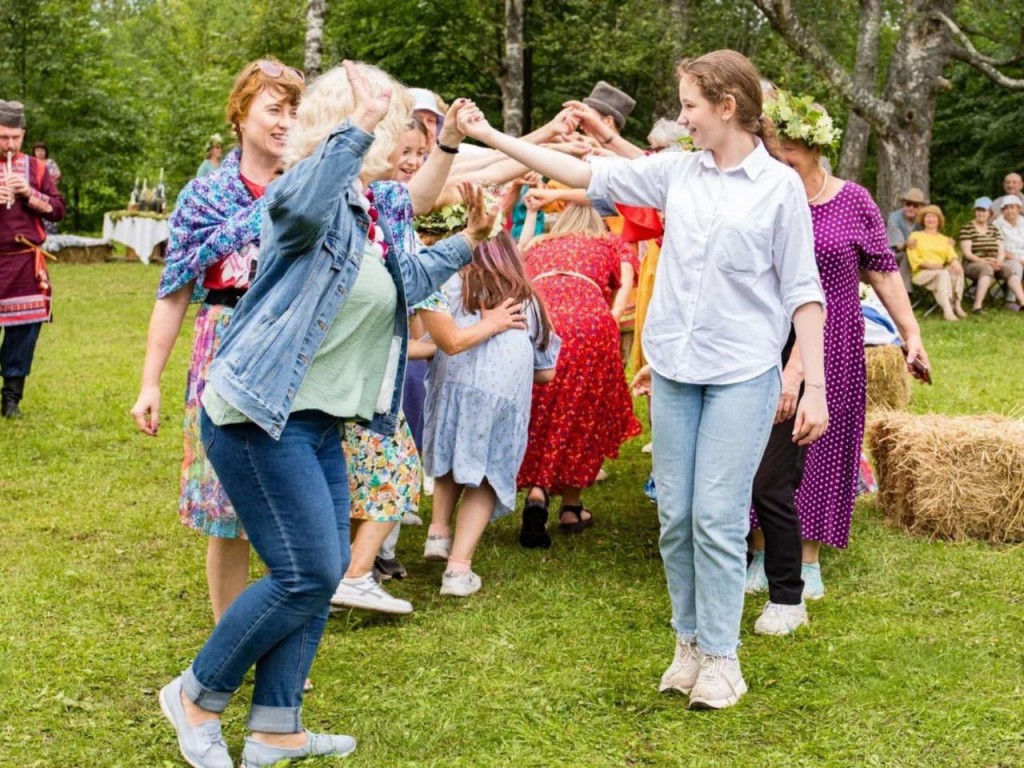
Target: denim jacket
[{"x": 312, "y": 240}]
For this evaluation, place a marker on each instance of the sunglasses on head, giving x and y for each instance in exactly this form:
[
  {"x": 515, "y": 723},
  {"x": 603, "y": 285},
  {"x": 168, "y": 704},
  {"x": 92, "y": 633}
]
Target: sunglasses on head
[{"x": 274, "y": 69}]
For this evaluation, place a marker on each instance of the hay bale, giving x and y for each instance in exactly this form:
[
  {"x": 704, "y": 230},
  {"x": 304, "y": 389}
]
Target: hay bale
[
  {"x": 889, "y": 383},
  {"x": 951, "y": 477},
  {"x": 88, "y": 254}
]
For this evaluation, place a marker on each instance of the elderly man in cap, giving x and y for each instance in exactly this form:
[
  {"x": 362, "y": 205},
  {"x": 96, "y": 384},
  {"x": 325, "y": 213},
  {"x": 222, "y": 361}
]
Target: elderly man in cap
[
  {"x": 898, "y": 226},
  {"x": 28, "y": 196}
]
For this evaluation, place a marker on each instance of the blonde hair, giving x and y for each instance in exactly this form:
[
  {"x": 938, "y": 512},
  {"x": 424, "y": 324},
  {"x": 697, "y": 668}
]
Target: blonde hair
[
  {"x": 329, "y": 102},
  {"x": 575, "y": 219},
  {"x": 728, "y": 73}
]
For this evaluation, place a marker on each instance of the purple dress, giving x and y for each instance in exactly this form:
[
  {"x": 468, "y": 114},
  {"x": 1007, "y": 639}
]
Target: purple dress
[{"x": 849, "y": 235}]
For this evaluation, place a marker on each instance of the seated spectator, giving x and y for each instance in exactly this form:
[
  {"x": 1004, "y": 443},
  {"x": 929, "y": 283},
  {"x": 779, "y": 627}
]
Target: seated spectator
[
  {"x": 1013, "y": 184},
  {"x": 1011, "y": 226},
  {"x": 934, "y": 264},
  {"x": 898, "y": 227},
  {"x": 981, "y": 243}
]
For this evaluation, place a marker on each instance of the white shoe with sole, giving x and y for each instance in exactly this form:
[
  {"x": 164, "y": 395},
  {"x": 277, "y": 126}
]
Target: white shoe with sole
[
  {"x": 778, "y": 619},
  {"x": 719, "y": 684},
  {"x": 437, "y": 548},
  {"x": 367, "y": 594},
  {"x": 682, "y": 673},
  {"x": 460, "y": 584}
]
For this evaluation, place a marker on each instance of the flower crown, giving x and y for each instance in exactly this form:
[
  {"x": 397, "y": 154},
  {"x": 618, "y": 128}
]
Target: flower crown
[
  {"x": 799, "y": 117},
  {"x": 451, "y": 219}
]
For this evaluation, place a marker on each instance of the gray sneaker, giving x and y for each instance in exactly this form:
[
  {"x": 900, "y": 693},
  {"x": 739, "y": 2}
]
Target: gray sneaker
[
  {"x": 257, "y": 755},
  {"x": 682, "y": 673},
  {"x": 202, "y": 745},
  {"x": 437, "y": 547},
  {"x": 367, "y": 594},
  {"x": 778, "y": 619},
  {"x": 460, "y": 584}
]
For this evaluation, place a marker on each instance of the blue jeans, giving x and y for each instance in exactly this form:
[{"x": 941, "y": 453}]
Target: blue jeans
[
  {"x": 292, "y": 497},
  {"x": 708, "y": 442}
]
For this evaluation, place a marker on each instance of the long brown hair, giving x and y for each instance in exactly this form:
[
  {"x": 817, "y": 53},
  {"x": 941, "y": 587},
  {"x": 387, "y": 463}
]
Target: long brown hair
[
  {"x": 495, "y": 274},
  {"x": 728, "y": 73}
]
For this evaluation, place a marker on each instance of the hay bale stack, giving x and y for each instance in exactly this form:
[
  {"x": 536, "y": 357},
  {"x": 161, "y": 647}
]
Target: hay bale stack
[
  {"x": 86, "y": 254},
  {"x": 951, "y": 477},
  {"x": 889, "y": 383}
]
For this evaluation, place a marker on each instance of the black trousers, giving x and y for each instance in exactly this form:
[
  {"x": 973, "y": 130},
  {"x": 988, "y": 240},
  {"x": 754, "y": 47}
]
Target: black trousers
[
  {"x": 775, "y": 484},
  {"x": 17, "y": 349}
]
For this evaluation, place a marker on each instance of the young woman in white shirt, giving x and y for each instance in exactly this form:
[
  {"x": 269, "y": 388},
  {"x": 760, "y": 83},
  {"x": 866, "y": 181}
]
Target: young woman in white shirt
[{"x": 737, "y": 268}]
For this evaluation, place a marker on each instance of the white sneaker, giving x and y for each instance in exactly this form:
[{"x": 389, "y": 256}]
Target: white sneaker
[
  {"x": 437, "y": 547},
  {"x": 682, "y": 673},
  {"x": 757, "y": 580},
  {"x": 367, "y": 594},
  {"x": 411, "y": 518},
  {"x": 778, "y": 619},
  {"x": 460, "y": 584},
  {"x": 719, "y": 684}
]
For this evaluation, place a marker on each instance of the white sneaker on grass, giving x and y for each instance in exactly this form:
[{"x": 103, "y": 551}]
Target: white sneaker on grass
[
  {"x": 682, "y": 673},
  {"x": 367, "y": 594},
  {"x": 437, "y": 547},
  {"x": 757, "y": 580},
  {"x": 777, "y": 619},
  {"x": 411, "y": 518},
  {"x": 719, "y": 684},
  {"x": 460, "y": 584},
  {"x": 814, "y": 587}
]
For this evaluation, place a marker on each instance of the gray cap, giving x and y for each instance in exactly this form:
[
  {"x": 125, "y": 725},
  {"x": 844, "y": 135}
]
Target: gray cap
[
  {"x": 609, "y": 100},
  {"x": 12, "y": 114}
]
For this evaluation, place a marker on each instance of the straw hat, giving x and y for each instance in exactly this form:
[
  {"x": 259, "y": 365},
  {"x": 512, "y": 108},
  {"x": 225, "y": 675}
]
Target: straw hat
[
  {"x": 931, "y": 209},
  {"x": 914, "y": 195}
]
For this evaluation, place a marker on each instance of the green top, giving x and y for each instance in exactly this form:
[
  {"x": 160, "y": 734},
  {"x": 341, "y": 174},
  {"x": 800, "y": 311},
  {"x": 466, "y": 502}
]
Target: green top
[{"x": 356, "y": 362}]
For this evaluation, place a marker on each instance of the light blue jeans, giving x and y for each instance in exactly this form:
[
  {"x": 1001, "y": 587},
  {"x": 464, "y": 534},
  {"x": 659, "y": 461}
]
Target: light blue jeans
[{"x": 708, "y": 442}]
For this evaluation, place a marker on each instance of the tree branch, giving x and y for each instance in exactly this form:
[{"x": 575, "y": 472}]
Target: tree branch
[
  {"x": 784, "y": 20},
  {"x": 967, "y": 53}
]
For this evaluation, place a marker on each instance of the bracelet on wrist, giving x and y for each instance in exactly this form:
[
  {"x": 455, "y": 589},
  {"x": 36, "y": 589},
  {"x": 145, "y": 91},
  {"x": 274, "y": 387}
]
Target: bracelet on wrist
[{"x": 445, "y": 148}]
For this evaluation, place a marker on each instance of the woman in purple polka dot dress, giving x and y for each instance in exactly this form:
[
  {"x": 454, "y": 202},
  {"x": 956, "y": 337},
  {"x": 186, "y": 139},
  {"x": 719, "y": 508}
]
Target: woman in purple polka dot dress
[{"x": 849, "y": 236}]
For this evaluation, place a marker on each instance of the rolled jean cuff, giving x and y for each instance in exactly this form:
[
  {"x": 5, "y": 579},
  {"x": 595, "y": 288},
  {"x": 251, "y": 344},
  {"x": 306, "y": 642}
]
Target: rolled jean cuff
[
  {"x": 688, "y": 636},
  {"x": 729, "y": 653},
  {"x": 275, "y": 719},
  {"x": 201, "y": 696}
]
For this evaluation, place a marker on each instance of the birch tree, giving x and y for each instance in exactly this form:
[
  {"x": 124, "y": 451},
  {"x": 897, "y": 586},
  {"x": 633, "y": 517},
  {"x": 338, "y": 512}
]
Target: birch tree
[{"x": 316, "y": 11}]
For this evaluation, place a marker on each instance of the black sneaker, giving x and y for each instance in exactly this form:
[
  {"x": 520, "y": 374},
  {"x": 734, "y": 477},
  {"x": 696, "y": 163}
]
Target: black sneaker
[{"x": 389, "y": 569}]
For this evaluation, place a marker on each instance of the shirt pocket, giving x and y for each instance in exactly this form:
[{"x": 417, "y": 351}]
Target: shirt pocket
[{"x": 745, "y": 249}]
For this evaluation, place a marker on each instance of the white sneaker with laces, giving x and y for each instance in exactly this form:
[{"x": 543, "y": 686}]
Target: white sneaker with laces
[
  {"x": 460, "y": 584},
  {"x": 437, "y": 547},
  {"x": 682, "y": 673},
  {"x": 367, "y": 594},
  {"x": 778, "y": 619},
  {"x": 719, "y": 684}
]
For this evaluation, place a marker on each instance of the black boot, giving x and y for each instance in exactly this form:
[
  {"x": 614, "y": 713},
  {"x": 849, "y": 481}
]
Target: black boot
[{"x": 10, "y": 396}]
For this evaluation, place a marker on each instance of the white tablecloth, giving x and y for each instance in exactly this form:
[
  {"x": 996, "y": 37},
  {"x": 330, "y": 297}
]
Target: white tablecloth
[{"x": 140, "y": 234}]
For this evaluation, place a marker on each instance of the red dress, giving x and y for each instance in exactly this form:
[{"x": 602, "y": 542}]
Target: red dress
[{"x": 586, "y": 413}]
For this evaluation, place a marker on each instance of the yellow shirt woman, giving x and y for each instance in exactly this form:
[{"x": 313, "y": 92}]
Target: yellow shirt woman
[{"x": 931, "y": 248}]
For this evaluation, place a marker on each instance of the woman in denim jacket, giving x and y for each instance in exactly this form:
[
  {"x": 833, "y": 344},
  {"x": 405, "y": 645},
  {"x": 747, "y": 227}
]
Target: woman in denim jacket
[{"x": 320, "y": 337}]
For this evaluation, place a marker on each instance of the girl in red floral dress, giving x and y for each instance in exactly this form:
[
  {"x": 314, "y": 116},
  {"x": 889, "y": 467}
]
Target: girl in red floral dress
[{"x": 584, "y": 275}]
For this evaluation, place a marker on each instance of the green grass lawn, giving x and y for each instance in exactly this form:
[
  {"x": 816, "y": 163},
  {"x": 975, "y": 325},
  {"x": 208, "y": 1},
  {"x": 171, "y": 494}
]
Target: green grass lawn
[{"x": 914, "y": 658}]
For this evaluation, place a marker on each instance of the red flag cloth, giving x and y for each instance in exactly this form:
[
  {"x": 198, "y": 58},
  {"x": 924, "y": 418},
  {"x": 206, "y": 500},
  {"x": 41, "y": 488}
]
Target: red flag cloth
[{"x": 641, "y": 223}]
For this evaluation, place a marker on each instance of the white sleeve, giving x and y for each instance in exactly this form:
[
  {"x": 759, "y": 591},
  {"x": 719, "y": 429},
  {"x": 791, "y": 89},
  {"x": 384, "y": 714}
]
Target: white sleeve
[
  {"x": 793, "y": 253},
  {"x": 640, "y": 181}
]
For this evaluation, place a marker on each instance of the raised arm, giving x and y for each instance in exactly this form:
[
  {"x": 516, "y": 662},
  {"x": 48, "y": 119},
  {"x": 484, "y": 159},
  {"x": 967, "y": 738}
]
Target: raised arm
[
  {"x": 555, "y": 165},
  {"x": 426, "y": 185}
]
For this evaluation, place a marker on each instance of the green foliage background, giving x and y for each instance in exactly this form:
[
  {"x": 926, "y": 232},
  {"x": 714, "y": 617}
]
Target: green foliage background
[{"x": 125, "y": 87}]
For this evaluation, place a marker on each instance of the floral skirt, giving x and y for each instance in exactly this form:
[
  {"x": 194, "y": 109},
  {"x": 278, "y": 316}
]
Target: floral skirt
[
  {"x": 204, "y": 506},
  {"x": 383, "y": 472}
]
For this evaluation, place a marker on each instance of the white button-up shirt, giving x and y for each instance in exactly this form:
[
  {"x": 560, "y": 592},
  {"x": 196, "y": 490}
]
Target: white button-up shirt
[{"x": 736, "y": 262}]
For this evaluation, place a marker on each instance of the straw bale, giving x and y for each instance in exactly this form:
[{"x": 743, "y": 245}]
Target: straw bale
[
  {"x": 889, "y": 383},
  {"x": 951, "y": 477},
  {"x": 89, "y": 254}
]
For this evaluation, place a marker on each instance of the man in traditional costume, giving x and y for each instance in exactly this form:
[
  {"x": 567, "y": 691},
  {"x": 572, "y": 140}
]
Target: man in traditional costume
[{"x": 28, "y": 196}]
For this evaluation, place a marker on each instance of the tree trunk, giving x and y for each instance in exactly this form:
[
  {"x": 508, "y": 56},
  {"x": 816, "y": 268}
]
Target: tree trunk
[
  {"x": 315, "y": 13},
  {"x": 912, "y": 84},
  {"x": 865, "y": 75},
  {"x": 512, "y": 71}
]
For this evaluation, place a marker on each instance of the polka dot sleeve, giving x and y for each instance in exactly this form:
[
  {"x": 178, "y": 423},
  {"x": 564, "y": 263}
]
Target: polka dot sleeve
[{"x": 872, "y": 242}]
